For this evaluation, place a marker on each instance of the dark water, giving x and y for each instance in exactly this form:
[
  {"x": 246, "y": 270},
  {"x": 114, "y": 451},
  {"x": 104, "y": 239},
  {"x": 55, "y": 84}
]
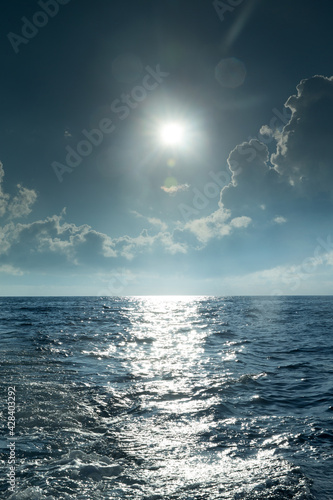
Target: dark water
[{"x": 153, "y": 398}]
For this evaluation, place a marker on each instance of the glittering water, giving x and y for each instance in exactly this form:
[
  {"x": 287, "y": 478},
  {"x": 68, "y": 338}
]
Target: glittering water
[{"x": 169, "y": 398}]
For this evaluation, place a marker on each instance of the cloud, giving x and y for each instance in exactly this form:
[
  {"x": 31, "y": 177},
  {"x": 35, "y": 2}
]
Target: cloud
[
  {"x": 154, "y": 221},
  {"x": 53, "y": 243},
  {"x": 263, "y": 184},
  {"x": 8, "y": 269},
  {"x": 280, "y": 220},
  {"x": 239, "y": 222},
  {"x": 285, "y": 279},
  {"x": 128, "y": 246},
  {"x": 216, "y": 225},
  {"x": 20, "y": 205},
  {"x": 3, "y": 197},
  {"x": 264, "y": 189},
  {"x": 300, "y": 168},
  {"x": 172, "y": 190},
  {"x": 157, "y": 222},
  {"x": 304, "y": 147},
  {"x": 255, "y": 187}
]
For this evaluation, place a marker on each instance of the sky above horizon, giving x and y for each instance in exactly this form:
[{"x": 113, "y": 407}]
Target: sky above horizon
[{"x": 166, "y": 147}]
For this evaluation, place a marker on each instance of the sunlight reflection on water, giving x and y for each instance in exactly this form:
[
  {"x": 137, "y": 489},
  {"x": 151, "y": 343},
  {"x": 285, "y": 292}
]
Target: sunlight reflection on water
[{"x": 151, "y": 398}]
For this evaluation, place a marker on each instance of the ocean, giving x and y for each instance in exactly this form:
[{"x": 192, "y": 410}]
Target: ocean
[{"x": 150, "y": 398}]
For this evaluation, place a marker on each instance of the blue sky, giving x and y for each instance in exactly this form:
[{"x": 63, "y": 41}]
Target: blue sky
[{"x": 93, "y": 200}]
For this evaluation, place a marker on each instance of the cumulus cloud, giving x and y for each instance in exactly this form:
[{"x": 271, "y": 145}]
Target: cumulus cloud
[
  {"x": 3, "y": 197},
  {"x": 158, "y": 223},
  {"x": 51, "y": 241},
  {"x": 239, "y": 222},
  {"x": 255, "y": 185},
  {"x": 301, "y": 167},
  {"x": 128, "y": 246},
  {"x": 216, "y": 225},
  {"x": 279, "y": 220},
  {"x": 55, "y": 243},
  {"x": 304, "y": 147},
  {"x": 262, "y": 189},
  {"x": 172, "y": 190},
  {"x": 20, "y": 205}
]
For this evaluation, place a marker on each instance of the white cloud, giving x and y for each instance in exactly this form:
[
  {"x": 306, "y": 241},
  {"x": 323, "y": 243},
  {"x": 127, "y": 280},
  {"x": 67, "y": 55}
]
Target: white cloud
[
  {"x": 128, "y": 246},
  {"x": 301, "y": 167},
  {"x": 8, "y": 269},
  {"x": 261, "y": 189},
  {"x": 240, "y": 221},
  {"x": 216, "y": 225},
  {"x": 54, "y": 243},
  {"x": 3, "y": 197},
  {"x": 20, "y": 205},
  {"x": 154, "y": 221},
  {"x": 157, "y": 222},
  {"x": 255, "y": 186},
  {"x": 172, "y": 190},
  {"x": 280, "y": 220}
]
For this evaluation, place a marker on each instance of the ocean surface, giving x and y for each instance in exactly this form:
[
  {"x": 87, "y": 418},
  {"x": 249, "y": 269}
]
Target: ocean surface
[{"x": 168, "y": 397}]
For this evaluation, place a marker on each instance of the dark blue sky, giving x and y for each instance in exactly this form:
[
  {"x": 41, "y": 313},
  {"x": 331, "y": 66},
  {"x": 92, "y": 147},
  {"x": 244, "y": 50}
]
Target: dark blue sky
[{"x": 92, "y": 84}]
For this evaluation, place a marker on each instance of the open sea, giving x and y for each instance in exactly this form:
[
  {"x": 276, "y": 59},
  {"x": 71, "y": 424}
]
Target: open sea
[{"x": 158, "y": 398}]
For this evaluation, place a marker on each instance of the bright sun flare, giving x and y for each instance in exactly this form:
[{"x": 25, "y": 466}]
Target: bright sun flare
[{"x": 172, "y": 134}]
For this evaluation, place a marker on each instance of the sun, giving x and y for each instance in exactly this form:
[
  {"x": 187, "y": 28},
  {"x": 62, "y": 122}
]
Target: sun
[{"x": 172, "y": 134}]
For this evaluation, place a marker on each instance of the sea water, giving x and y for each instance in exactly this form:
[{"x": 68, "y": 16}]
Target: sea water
[{"x": 168, "y": 397}]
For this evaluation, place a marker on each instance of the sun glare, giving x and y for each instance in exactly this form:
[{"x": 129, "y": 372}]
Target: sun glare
[{"x": 172, "y": 134}]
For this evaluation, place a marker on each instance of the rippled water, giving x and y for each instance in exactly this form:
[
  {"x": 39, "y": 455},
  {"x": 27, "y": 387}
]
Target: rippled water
[{"x": 169, "y": 398}]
